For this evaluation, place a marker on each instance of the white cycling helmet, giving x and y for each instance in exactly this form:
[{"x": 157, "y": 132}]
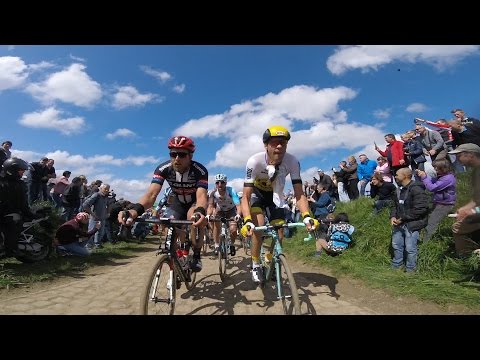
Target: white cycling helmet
[{"x": 221, "y": 177}]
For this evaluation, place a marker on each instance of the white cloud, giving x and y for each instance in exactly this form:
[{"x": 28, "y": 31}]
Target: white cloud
[
  {"x": 76, "y": 58},
  {"x": 416, "y": 108},
  {"x": 372, "y": 57},
  {"x": 40, "y": 66},
  {"x": 13, "y": 72},
  {"x": 128, "y": 96},
  {"x": 96, "y": 167},
  {"x": 120, "y": 133},
  {"x": 50, "y": 118},
  {"x": 72, "y": 85},
  {"x": 382, "y": 113},
  {"x": 161, "y": 76},
  {"x": 313, "y": 116},
  {"x": 179, "y": 88}
]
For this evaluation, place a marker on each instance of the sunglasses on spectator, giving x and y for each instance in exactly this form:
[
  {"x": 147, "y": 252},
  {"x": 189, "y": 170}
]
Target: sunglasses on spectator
[
  {"x": 181, "y": 155},
  {"x": 220, "y": 182}
]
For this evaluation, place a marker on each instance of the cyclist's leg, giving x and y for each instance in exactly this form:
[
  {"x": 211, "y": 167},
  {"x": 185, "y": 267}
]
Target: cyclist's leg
[
  {"x": 197, "y": 242},
  {"x": 277, "y": 217},
  {"x": 257, "y": 207}
]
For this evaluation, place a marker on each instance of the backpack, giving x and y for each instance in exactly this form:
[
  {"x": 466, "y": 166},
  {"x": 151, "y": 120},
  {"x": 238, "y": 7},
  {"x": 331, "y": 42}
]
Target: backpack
[
  {"x": 331, "y": 207},
  {"x": 341, "y": 232}
]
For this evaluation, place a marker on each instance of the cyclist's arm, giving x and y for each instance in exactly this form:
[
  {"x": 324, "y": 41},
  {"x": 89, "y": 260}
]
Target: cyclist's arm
[
  {"x": 147, "y": 201},
  {"x": 245, "y": 201},
  {"x": 211, "y": 204},
  {"x": 302, "y": 202}
]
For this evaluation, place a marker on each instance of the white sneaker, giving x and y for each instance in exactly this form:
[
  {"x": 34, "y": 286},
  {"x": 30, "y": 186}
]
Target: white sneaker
[{"x": 257, "y": 275}]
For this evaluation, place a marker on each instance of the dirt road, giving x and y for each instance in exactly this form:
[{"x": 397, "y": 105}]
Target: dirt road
[{"x": 115, "y": 289}]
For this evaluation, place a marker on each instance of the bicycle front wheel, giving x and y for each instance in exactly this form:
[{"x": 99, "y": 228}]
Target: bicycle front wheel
[
  {"x": 222, "y": 259},
  {"x": 158, "y": 296},
  {"x": 287, "y": 288}
]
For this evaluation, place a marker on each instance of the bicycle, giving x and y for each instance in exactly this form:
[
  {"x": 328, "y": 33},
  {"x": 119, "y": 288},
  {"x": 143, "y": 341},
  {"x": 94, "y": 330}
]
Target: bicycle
[
  {"x": 31, "y": 246},
  {"x": 246, "y": 241},
  {"x": 276, "y": 268},
  {"x": 224, "y": 246},
  {"x": 159, "y": 293}
]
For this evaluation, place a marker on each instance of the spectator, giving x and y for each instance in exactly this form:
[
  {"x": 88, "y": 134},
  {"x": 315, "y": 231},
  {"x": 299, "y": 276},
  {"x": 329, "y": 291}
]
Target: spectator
[
  {"x": 69, "y": 234},
  {"x": 365, "y": 170},
  {"x": 394, "y": 153},
  {"x": 341, "y": 182},
  {"x": 408, "y": 216},
  {"x": 432, "y": 142},
  {"x": 384, "y": 169},
  {"x": 38, "y": 176},
  {"x": 71, "y": 199},
  {"x": 468, "y": 218},
  {"x": 414, "y": 151},
  {"x": 352, "y": 177},
  {"x": 97, "y": 205},
  {"x": 59, "y": 188},
  {"x": 5, "y": 151},
  {"x": 444, "y": 191},
  {"x": 326, "y": 181},
  {"x": 386, "y": 192},
  {"x": 338, "y": 237}
]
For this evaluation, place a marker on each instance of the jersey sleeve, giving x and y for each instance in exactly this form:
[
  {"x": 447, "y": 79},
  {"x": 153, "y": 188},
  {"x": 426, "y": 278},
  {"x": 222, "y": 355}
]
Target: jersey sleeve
[
  {"x": 160, "y": 173},
  {"x": 295, "y": 171},
  {"x": 250, "y": 172},
  {"x": 202, "y": 179}
]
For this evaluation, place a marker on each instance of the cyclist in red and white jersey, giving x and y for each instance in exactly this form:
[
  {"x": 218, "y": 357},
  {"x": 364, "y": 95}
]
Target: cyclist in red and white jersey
[
  {"x": 263, "y": 191},
  {"x": 188, "y": 180}
]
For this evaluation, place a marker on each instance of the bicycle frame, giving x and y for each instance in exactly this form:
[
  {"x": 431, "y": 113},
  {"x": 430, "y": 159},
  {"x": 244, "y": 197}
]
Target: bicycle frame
[
  {"x": 176, "y": 272},
  {"x": 275, "y": 266}
]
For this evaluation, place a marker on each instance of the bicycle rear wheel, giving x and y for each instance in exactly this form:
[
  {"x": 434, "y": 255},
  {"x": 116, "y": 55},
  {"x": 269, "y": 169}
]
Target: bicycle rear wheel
[
  {"x": 287, "y": 288},
  {"x": 158, "y": 295}
]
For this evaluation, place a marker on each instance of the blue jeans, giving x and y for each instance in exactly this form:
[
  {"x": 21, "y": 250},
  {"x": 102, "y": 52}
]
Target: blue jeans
[
  {"x": 404, "y": 241},
  {"x": 77, "y": 248},
  {"x": 96, "y": 239}
]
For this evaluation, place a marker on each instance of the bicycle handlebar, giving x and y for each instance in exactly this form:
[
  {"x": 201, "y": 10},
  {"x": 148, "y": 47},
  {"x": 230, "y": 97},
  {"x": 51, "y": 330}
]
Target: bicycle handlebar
[
  {"x": 271, "y": 227},
  {"x": 221, "y": 219},
  {"x": 164, "y": 221}
]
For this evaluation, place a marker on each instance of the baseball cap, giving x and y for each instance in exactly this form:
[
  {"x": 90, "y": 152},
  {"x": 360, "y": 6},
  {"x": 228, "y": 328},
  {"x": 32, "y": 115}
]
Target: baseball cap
[
  {"x": 455, "y": 110},
  {"x": 320, "y": 170},
  {"x": 466, "y": 147},
  {"x": 44, "y": 158}
]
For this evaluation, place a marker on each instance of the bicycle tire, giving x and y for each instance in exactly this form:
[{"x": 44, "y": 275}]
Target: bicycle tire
[
  {"x": 164, "y": 304},
  {"x": 287, "y": 288},
  {"x": 246, "y": 244},
  {"x": 222, "y": 259}
]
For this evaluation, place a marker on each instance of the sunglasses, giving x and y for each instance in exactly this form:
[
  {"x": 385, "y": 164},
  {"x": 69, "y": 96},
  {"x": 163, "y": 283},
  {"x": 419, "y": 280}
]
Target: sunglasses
[
  {"x": 220, "y": 182},
  {"x": 181, "y": 155}
]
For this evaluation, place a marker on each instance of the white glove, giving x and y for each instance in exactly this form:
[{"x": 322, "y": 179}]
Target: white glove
[
  {"x": 237, "y": 218},
  {"x": 244, "y": 229},
  {"x": 310, "y": 221}
]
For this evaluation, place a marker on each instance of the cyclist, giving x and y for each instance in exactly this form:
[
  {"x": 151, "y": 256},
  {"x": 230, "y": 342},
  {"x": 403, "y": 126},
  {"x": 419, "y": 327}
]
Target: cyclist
[
  {"x": 263, "y": 191},
  {"x": 14, "y": 207},
  {"x": 189, "y": 182},
  {"x": 223, "y": 201}
]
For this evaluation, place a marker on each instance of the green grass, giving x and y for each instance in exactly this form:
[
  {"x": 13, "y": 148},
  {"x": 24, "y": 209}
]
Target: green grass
[
  {"x": 16, "y": 273},
  {"x": 441, "y": 277}
]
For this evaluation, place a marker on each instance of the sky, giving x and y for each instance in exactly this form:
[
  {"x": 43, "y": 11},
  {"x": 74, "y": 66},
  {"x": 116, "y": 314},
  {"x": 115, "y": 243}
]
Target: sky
[{"x": 107, "y": 112}]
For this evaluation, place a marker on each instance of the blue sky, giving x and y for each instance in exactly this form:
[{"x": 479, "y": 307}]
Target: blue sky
[{"x": 107, "y": 111}]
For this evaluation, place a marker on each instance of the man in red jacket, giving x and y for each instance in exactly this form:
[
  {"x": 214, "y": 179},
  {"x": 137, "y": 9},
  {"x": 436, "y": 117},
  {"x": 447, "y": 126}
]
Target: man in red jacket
[{"x": 394, "y": 153}]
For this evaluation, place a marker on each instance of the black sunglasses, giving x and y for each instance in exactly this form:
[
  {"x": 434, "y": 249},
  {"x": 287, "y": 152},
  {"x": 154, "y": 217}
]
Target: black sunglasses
[
  {"x": 220, "y": 182},
  {"x": 181, "y": 155}
]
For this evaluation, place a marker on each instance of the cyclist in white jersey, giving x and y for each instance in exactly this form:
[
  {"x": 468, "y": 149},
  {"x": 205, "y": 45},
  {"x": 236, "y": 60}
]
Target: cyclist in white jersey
[
  {"x": 263, "y": 191},
  {"x": 223, "y": 201}
]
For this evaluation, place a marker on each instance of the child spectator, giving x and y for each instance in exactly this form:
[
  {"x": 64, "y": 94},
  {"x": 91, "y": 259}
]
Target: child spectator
[{"x": 338, "y": 236}]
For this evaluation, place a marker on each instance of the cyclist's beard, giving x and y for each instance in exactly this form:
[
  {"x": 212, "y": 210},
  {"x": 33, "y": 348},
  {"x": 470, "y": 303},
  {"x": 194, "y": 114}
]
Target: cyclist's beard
[
  {"x": 275, "y": 158},
  {"x": 180, "y": 168}
]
